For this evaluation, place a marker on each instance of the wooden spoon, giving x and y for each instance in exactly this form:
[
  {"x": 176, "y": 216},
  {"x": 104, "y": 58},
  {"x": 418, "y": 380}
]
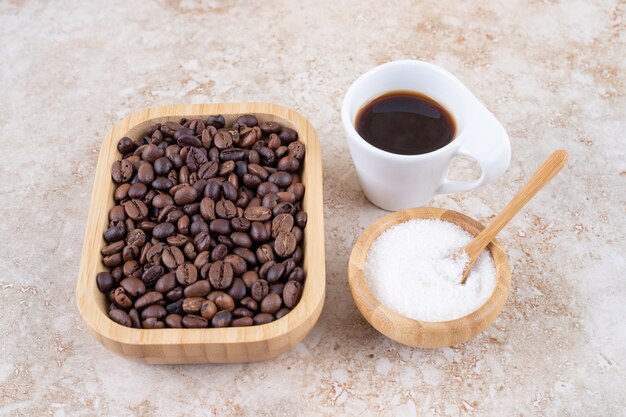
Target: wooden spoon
[{"x": 545, "y": 173}]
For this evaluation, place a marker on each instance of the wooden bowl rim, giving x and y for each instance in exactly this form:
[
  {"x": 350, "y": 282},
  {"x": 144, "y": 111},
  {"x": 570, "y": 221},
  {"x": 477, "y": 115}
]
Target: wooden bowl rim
[
  {"x": 369, "y": 303},
  {"x": 311, "y": 302}
]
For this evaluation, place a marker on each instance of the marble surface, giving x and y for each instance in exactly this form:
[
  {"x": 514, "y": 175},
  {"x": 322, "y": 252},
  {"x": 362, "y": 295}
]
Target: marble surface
[{"x": 553, "y": 73}]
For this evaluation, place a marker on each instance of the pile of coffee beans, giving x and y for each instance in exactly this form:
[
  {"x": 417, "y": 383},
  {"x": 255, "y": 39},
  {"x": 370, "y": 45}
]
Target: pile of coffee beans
[{"x": 207, "y": 226}]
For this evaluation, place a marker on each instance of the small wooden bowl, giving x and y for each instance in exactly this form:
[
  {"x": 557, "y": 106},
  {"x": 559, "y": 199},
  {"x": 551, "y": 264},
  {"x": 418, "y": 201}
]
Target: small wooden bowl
[
  {"x": 422, "y": 333},
  {"x": 176, "y": 346}
]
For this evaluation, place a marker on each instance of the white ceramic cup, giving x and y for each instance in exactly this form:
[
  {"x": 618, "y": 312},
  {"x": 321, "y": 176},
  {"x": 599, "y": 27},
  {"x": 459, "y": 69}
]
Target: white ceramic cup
[{"x": 394, "y": 181}]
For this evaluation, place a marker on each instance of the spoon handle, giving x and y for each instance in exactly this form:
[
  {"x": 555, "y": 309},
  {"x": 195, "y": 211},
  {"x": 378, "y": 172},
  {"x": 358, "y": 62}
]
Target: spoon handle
[{"x": 545, "y": 173}]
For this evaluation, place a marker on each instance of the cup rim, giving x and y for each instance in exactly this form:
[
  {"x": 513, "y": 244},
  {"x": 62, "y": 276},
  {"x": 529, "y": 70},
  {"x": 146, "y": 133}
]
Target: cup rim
[{"x": 348, "y": 123}]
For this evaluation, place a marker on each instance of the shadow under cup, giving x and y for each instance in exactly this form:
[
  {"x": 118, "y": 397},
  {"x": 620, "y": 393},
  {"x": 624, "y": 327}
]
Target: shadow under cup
[{"x": 397, "y": 181}]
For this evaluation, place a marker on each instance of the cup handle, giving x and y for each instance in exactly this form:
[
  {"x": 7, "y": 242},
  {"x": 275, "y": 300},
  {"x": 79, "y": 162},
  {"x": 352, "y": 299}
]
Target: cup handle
[{"x": 492, "y": 151}]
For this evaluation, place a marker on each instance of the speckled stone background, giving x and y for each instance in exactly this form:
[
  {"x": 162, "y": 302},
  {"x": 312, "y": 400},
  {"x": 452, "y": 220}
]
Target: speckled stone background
[{"x": 553, "y": 73}]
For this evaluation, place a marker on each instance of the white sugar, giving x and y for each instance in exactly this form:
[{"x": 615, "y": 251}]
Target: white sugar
[{"x": 410, "y": 270}]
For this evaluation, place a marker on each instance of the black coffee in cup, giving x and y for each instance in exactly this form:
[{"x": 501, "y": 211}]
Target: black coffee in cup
[{"x": 406, "y": 123}]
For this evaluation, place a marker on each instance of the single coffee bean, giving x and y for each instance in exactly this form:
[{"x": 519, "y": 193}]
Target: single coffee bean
[
  {"x": 200, "y": 288},
  {"x": 222, "y": 139},
  {"x": 222, "y": 319},
  {"x": 237, "y": 290},
  {"x": 125, "y": 145},
  {"x": 136, "y": 238},
  {"x": 282, "y": 313},
  {"x": 292, "y": 293},
  {"x": 259, "y": 289},
  {"x": 117, "y": 213},
  {"x": 265, "y": 253},
  {"x": 145, "y": 173},
  {"x": 201, "y": 259},
  {"x": 135, "y": 320},
  {"x": 186, "y": 274},
  {"x": 265, "y": 188},
  {"x": 174, "y": 321},
  {"x": 220, "y": 227},
  {"x": 224, "y": 302},
  {"x": 105, "y": 282},
  {"x": 271, "y": 303},
  {"x": 133, "y": 286},
  {"x": 194, "y": 321},
  {"x": 163, "y": 230},
  {"x": 136, "y": 209},
  {"x": 301, "y": 219},
  {"x": 242, "y": 322},
  {"x": 121, "y": 171},
  {"x": 282, "y": 223},
  {"x": 175, "y": 294},
  {"x": 249, "y": 303},
  {"x": 115, "y": 232},
  {"x": 152, "y": 274},
  {"x": 120, "y": 317},
  {"x": 282, "y": 179},
  {"x": 166, "y": 283},
  {"x": 225, "y": 209},
  {"x": 297, "y": 275},
  {"x": 208, "y": 309},
  {"x": 240, "y": 224},
  {"x": 242, "y": 312},
  {"x": 152, "y": 323},
  {"x": 287, "y": 135},
  {"x": 185, "y": 195},
  {"x": 262, "y": 318},
  {"x": 257, "y": 214},
  {"x": 192, "y": 304},
  {"x": 285, "y": 244},
  {"x": 221, "y": 275},
  {"x": 275, "y": 273},
  {"x": 162, "y": 200},
  {"x": 172, "y": 257},
  {"x": 219, "y": 252},
  {"x": 148, "y": 298},
  {"x": 249, "y": 278}
]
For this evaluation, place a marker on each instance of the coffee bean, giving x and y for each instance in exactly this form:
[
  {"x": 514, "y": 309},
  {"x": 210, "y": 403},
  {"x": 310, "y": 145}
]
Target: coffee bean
[
  {"x": 152, "y": 274},
  {"x": 105, "y": 282},
  {"x": 172, "y": 257},
  {"x": 174, "y": 321},
  {"x": 259, "y": 289},
  {"x": 222, "y": 319},
  {"x": 186, "y": 274},
  {"x": 185, "y": 195},
  {"x": 297, "y": 275},
  {"x": 240, "y": 224},
  {"x": 265, "y": 253},
  {"x": 287, "y": 135},
  {"x": 265, "y": 188},
  {"x": 121, "y": 171},
  {"x": 258, "y": 232},
  {"x": 262, "y": 318},
  {"x": 125, "y": 145},
  {"x": 283, "y": 222},
  {"x": 222, "y": 139},
  {"x": 275, "y": 273},
  {"x": 225, "y": 209},
  {"x": 133, "y": 286},
  {"x": 148, "y": 298},
  {"x": 285, "y": 244},
  {"x": 221, "y": 275},
  {"x": 282, "y": 179},
  {"x": 200, "y": 288},
  {"x": 301, "y": 219},
  {"x": 116, "y": 231},
  {"x": 271, "y": 303},
  {"x": 219, "y": 252},
  {"x": 136, "y": 209},
  {"x": 292, "y": 293},
  {"x": 175, "y": 294},
  {"x": 257, "y": 214},
  {"x": 120, "y": 317},
  {"x": 194, "y": 321},
  {"x": 163, "y": 230},
  {"x": 166, "y": 283},
  {"x": 192, "y": 304},
  {"x": 220, "y": 227},
  {"x": 277, "y": 288}
]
